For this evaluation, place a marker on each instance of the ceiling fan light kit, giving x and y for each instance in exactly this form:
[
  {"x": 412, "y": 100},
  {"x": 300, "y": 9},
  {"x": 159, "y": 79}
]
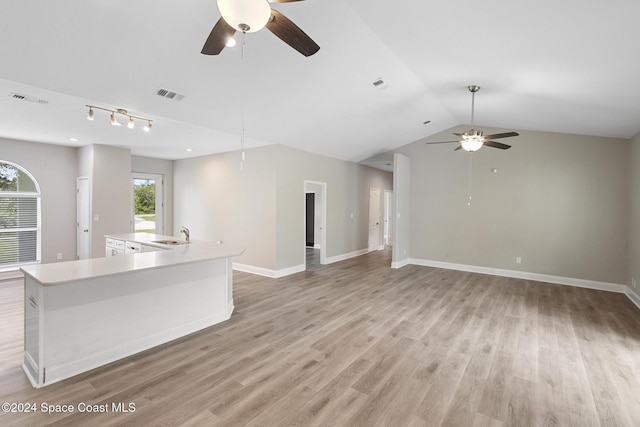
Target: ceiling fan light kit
[
  {"x": 247, "y": 16},
  {"x": 472, "y": 141}
]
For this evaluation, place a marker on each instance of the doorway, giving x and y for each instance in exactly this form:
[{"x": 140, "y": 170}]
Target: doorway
[
  {"x": 315, "y": 214},
  {"x": 83, "y": 215},
  {"x": 374, "y": 219},
  {"x": 148, "y": 203},
  {"x": 388, "y": 217}
]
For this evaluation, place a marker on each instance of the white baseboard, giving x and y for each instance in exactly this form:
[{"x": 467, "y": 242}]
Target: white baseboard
[
  {"x": 401, "y": 263},
  {"x": 276, "y": 274},
  {"x": 559, "y": 280},
  {"x": 633, "y": 296},
  {"x": 266, "y": 272},
  {"x": 343, "y": 257}
]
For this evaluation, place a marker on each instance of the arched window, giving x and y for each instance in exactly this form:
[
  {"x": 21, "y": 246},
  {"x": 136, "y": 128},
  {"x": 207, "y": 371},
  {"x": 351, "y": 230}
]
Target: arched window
[{"x": 19, "y": 216}]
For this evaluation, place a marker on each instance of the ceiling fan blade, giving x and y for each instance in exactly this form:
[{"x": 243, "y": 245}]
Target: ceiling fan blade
[
  {"x": 459, "y": 147},
  {"x": 291, "y": 34},
  {"x": 441, "y": 142},
  {"x": 497, "y": 145},
  {"x": 218, "y": 38},
  {"x": 501, "y": 135}
]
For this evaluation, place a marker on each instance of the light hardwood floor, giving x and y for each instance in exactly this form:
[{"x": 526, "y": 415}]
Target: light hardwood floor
[{"x": 359, "y": 344}]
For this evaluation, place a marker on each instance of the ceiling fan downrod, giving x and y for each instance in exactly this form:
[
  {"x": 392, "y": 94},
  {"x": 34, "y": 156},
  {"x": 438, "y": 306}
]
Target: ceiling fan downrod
[{"x": 473, "y": 89}]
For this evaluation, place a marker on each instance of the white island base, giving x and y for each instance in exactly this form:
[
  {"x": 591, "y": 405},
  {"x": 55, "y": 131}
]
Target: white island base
[{"x": 77, "y": 325}]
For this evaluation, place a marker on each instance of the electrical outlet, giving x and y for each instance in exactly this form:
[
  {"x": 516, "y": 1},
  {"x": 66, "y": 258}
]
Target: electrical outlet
[
  {"x": 518, "y": 260},
  {"x": 59, "y": 255}
]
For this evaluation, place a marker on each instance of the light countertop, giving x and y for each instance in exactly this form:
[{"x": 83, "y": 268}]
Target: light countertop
[{"x": 194, "y": 251}]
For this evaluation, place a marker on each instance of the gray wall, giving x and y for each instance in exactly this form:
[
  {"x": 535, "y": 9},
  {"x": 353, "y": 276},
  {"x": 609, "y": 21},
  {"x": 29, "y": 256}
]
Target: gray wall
[
  {"x": 558, "y": 201},
  {"x": 634, "y": 214},
  {"x": 218, "y": 201},
  {"x": 54, "y": 167},
  {"x": 401, "y": 210},
  {"x": 109, "y": 169},
  {"x": 262, "y": 207},
  {"x": 348, "y": 187}
]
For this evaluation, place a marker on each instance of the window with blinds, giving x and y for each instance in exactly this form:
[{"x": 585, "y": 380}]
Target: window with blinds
[{"x": 19, "y": 216}]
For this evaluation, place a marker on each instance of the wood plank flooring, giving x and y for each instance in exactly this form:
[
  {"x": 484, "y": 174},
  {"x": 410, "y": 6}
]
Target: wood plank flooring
[{"x": 358, "y": 344}]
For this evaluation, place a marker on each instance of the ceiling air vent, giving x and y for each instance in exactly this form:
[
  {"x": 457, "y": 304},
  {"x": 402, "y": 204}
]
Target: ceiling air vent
[
  {"x": 27, "y": 98},
  {"x": 379, "y": 83},
  {"x": 169, "y": 94}
]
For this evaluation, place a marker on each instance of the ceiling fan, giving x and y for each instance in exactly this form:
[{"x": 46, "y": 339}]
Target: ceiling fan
[
  {"x": 249, "y": 16},
  {"x": 473, "y": 140}
]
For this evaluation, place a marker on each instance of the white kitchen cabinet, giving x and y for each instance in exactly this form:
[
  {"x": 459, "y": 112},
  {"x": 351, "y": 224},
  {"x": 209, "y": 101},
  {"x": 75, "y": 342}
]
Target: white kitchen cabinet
[{"x": 114, "y": 247}]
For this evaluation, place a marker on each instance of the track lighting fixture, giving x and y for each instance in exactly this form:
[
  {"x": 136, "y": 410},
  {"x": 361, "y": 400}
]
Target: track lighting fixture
[{"x": 113, "y": 118}]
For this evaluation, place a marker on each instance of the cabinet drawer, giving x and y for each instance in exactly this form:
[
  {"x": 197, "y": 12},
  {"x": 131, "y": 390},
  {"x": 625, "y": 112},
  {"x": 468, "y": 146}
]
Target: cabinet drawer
[{"x": 115, "y": 243}]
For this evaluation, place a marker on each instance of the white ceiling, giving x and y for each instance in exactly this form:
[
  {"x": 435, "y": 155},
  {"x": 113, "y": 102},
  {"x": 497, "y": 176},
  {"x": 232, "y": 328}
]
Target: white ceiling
[{"x": 568, "y": 66}]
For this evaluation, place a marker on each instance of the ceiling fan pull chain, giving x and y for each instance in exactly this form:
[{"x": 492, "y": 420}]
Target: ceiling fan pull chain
[
  {"x": 470, "y": 177},
  {"x": 244, "y": 35},
  {"x": 242, "y": 78}
]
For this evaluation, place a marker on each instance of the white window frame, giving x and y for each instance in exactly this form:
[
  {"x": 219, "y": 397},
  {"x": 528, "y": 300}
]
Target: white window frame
[
  {"x": 159, "y": 181},
  {"x": 38, "y": 228}
]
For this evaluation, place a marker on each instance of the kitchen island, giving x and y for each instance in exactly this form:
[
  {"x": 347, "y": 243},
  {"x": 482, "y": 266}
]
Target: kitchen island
[{"x": 83, "y": 314}]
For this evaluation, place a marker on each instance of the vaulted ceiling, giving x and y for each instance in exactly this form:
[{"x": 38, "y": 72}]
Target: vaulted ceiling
[{"x": 567, "y": 66}]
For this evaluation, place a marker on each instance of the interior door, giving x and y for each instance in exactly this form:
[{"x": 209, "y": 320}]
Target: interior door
[
  {"x": 374, "y": 219},
  {"x": 83, "y": 213},
  {"x": 388, "y": 217}
]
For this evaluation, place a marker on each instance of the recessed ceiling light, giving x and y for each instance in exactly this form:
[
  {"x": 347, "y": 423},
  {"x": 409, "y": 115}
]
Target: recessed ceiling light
[
  {"x": 189, "y": 150},
  {"x": 74, "y": 139}
]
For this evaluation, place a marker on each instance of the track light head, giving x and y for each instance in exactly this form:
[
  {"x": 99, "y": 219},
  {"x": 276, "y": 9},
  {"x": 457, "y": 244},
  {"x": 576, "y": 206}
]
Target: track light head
[
  {"x": 113, "y": 119},
  {"x": 90, "y": 114},
  {"x": 131, "y": 123},
  {"x": 147, "y": 128}
]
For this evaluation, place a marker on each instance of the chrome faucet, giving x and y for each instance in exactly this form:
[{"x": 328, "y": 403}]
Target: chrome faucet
[{"x": 185, "y": 230}]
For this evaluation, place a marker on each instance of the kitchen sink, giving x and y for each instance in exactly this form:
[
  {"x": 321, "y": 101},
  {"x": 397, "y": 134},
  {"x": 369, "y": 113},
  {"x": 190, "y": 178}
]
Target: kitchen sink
[{"x": 171, "y": 242}]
